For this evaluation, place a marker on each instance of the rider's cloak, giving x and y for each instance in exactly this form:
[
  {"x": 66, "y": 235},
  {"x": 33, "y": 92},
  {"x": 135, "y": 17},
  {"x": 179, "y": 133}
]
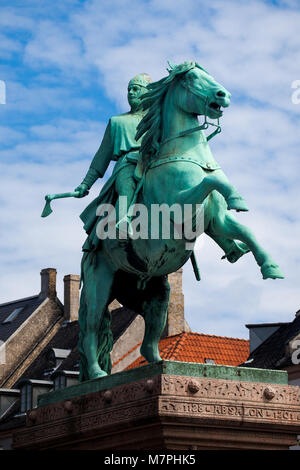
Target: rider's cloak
[{"x": 118, "y": 145}]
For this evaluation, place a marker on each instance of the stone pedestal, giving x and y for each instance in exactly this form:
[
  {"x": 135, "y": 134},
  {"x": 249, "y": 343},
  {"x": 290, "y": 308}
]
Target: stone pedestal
[{"x": 168, "y": 405}]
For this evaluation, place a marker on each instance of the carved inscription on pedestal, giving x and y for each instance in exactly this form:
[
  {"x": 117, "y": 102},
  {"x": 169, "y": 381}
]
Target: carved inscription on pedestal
[
  {"x": 200, "y": 400},
  {"x": 197, "y": 408}
]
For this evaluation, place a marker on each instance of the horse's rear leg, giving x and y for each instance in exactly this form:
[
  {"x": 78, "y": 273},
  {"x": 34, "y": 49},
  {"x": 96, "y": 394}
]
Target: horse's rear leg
[
  {"x": 155, "y": 308},
  {"x": 98, "y": 280},
  {"x": 226, "y": 225}
]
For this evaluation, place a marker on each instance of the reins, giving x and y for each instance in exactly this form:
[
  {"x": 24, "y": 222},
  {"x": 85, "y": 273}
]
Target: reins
[{"x": 203, "y": 126}]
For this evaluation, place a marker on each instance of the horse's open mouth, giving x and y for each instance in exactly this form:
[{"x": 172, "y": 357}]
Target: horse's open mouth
[{"x": 216, "y": 108}]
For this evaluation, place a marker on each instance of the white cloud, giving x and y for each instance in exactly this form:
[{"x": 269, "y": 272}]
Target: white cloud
[
  {"x": 9, "y": 135},
  {"x": 11, "y": 19},
  {"x": 54, "y": 45},
  {"x": 30, "y": 242},
  {"x": 252, "y": 49},
  {"x": 36, "y": 99},
  {"x": 8, "y": 46}
]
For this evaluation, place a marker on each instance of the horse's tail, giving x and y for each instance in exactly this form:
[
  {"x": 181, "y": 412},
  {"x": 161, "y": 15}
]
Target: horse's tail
[
  {"x": 105, "y": 343},
  {"x": 83, "y": 369},
  {"x": 105, "y": 338}
]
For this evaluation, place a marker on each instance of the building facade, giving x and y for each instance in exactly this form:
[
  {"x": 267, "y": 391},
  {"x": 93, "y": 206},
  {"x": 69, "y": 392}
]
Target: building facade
[{"x": 39, "y": 336}]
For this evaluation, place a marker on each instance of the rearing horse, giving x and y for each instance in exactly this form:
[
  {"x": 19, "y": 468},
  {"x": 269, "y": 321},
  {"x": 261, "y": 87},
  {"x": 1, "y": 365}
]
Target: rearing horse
[{"x": 178, "y": 167}]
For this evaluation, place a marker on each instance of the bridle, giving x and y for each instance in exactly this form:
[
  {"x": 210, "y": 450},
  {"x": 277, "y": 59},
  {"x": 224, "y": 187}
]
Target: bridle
[{"x": 203, "y": 126}]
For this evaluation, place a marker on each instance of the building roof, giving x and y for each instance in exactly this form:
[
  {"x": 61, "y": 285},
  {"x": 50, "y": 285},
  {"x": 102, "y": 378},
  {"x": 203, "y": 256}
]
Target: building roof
[
  {"x": 121, "y": 319},
  {"x": 28, "y": 306},
  {"x": 67, "y": 338},
  {"x": 273, "y": 353},
  {"x": 265, "y": 325},
  {"x": 197, "y": 347},
  {"x": 12, "y": 418}
]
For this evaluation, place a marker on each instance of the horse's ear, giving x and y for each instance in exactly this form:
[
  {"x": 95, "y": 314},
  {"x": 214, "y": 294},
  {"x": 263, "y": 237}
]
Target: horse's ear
[
  {"x": 199, "y": 67},
  {"x": 171, "y": 67},
  {"x": 179, "y": 69}
]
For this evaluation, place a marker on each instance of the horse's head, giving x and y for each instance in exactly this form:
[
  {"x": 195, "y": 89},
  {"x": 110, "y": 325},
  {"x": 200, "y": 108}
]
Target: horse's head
[
  {"x": 203, "y": 94},
  {"x": 190, "y": 88}
]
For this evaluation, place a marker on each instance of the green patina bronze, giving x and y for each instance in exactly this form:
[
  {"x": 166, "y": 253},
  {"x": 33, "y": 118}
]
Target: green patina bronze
[
  {"x": 50, "y": 197},
  {"x": 187, "y": 369},
  {"x": 163, "y": 157}
]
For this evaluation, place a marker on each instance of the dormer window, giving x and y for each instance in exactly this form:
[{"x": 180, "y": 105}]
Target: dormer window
[
  {"x": 59, "y": 382},
  {"x": 26, "y": 398},
  {"x": 65, "y": 378},
  {"x": 30, "y": 390},
  {"x": 12, "y": 316},
  {"x": 56, "y": 356}
]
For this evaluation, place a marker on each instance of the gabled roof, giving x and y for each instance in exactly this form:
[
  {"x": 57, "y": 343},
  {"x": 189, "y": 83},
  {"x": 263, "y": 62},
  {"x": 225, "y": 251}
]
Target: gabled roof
[
  {"x": 197, "y": 347},
  {"x": 67, "y": 338},
  {"x": 272, "y": 353},
  {"x": 28, "y": 305}
]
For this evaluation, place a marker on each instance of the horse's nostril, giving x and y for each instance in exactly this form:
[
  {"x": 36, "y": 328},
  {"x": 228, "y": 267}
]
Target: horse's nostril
[{"x": 221, "y": 94}]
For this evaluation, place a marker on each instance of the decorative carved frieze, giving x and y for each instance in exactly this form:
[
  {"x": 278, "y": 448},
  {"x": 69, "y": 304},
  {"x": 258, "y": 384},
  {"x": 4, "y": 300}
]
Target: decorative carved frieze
[
  {"x": 230, "y": 389},
  {"x": 195, "y": 401}
]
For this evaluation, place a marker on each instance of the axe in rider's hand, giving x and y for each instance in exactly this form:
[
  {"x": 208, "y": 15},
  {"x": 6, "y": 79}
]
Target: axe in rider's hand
[{"x": 47, "y": 209}]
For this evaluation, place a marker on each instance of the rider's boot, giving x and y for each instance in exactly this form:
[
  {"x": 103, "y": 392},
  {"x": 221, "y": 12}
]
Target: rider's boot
[{"x": 123, "y": 225}]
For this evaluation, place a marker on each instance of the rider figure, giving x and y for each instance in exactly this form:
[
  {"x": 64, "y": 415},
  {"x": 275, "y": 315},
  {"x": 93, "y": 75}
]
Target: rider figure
[{"x": 119, "y": 144}]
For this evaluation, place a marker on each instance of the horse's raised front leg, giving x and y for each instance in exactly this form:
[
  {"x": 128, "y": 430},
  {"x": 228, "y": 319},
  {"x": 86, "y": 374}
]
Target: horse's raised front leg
[
  {"x": 215, "y": 180},
  {"x": 155, "y": 308},
  {"x": 233, "y": 250},
  {"x": 224, "y": 224},
  {"x": 94, "y": 323}
]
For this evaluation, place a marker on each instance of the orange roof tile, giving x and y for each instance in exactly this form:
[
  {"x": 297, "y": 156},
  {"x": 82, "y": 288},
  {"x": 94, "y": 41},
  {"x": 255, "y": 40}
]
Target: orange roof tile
[{"x": 197, "y": 347}]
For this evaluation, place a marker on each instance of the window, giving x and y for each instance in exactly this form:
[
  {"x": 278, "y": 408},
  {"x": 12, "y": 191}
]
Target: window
[
  {"x": 59, "y": 382},
  {"x": 13, "y": 315},
  {"x": 26, "y": 398}
]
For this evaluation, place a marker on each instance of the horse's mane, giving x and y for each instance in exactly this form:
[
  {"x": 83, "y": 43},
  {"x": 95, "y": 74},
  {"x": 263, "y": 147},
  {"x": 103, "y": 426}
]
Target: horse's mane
[{"x": 150, "y": 126}]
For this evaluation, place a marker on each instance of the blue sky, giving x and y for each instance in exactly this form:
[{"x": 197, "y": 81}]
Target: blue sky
[{"x": 66, "y": 66}]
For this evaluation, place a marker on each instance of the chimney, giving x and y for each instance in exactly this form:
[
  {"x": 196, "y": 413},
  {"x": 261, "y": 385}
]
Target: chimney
[
  {"x": 71, "y": 296},
  {"x": 48, "y": 283},
  {"x": 176, "y": 322}
]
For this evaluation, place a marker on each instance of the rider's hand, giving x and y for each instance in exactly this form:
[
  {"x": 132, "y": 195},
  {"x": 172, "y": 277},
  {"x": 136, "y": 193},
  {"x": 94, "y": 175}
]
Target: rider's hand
[{"x": 82, "y": 189}]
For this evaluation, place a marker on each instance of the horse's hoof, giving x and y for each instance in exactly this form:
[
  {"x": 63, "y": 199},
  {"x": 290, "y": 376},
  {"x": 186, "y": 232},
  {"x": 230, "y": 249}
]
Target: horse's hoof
[
  {"x": 96, "y": 373},
  {"x": 150, "y": 354},
  {"x": 237, "y": 203},
  {"x": 271, "y": 271}
]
